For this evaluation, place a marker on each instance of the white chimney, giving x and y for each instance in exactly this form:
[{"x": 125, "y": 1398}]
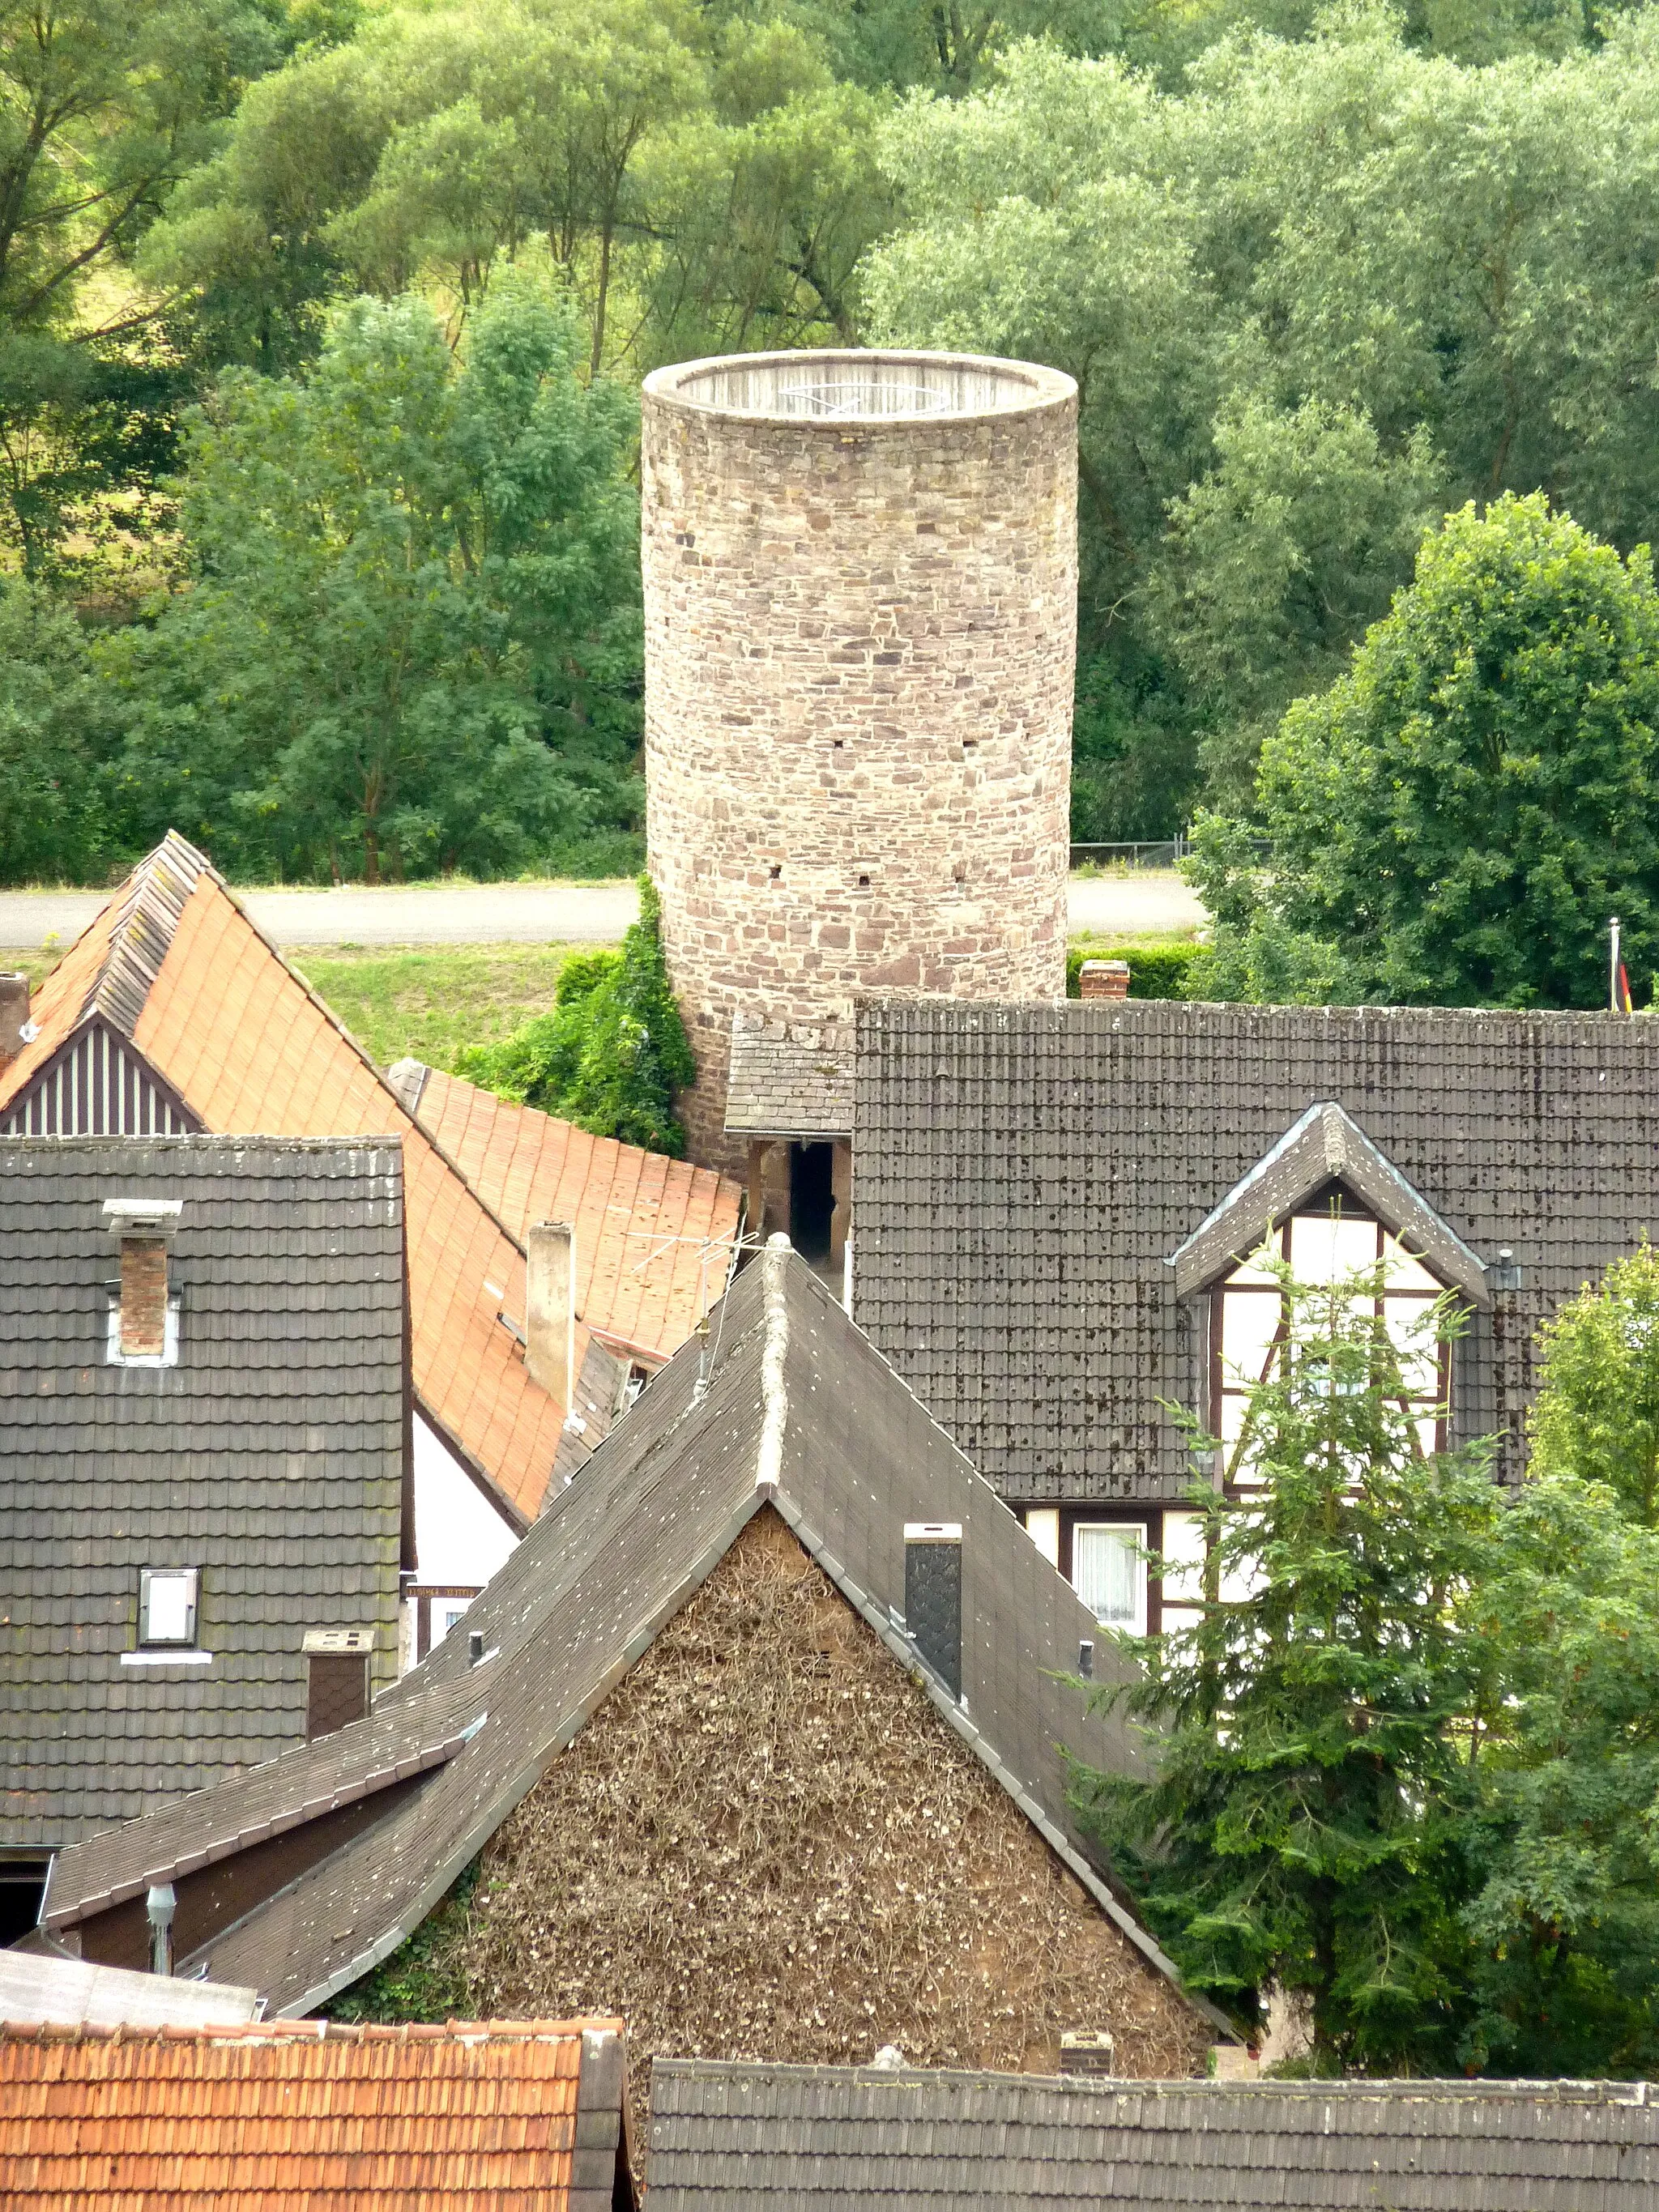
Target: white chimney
[
  {"x": 551, "y": 1323},
  {"x": 15, "y": 1028}
]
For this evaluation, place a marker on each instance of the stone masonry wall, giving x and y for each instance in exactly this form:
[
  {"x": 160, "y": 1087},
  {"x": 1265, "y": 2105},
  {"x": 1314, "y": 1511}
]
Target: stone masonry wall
[{"x": 859, "y": 674}]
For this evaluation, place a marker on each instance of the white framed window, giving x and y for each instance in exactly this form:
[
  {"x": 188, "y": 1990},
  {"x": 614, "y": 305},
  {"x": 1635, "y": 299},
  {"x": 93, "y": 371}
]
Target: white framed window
[
  {"x": 1108, "y": 1573},
  {"x": 1185, "y": 1556},
  {"x": 1321, "y": 1245},
  {"x": 168, "y": 1605},
  {"x": 446, "y": 1612}
]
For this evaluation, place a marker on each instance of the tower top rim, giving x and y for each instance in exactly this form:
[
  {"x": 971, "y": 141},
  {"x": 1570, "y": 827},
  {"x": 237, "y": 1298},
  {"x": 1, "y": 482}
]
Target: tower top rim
[{"x": 869, "y": 388}]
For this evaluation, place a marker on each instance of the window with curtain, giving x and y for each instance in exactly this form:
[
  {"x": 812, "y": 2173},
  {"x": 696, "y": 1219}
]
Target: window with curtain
[{"x": 1108, "y": 1573}]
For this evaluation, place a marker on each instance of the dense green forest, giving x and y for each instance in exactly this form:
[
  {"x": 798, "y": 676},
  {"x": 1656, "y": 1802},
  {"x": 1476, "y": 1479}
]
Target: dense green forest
[{"x": 321, "y": 326}]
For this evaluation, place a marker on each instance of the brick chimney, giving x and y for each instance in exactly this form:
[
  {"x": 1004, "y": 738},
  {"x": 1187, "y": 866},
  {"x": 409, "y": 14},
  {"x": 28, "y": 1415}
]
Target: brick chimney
[
  {"x": 549, "y": 1349},
  {"x": 1104, "y": 979},
  {"x": 145, "y": 1227},
  {"x": 337, "y": 1678},
  {"x": 1086, "y": 2050},
  {"x": 13, "y": 1016}
]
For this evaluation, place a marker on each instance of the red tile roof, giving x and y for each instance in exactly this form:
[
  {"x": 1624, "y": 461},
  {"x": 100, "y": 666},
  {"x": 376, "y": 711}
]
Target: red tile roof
[
  {"x": 250, "y": 1049},
  {"x": 300, "y": 2117},
  {"x": 655, "y": 1236}
]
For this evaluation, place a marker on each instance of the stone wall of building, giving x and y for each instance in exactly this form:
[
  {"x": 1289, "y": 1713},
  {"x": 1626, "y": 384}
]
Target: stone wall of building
[{"x": 859, "y": 631}]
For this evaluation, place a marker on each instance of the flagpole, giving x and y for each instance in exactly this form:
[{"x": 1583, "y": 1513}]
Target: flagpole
[{"x": 1613, "y": 966}]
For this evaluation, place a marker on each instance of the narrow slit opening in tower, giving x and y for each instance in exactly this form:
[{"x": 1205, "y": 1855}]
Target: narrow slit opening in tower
[{"x": 811, "y": 1200}]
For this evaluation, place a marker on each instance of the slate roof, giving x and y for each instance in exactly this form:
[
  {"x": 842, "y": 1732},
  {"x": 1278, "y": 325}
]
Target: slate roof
[
  {"x": 1324, "y": 1146},
  {"x": 752, "y": 2138},
  {"x": 655, "y": 1237},
  {"x": 271, "y": 1457},
  {"x": 1022, "y": 1176},
  {"x": 790, "y": 1081},
  {"x": 42, "y": 1990},
  {"x": 469, "y": 2117},
  {"x": 174, "y": 965},
  {"x": 389, "y": 1745},
  {"x": 795, "y": 1408}
]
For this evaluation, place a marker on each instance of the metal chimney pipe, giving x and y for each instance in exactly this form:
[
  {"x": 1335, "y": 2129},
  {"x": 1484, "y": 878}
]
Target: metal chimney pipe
[{"x": 160, "y": 1905}]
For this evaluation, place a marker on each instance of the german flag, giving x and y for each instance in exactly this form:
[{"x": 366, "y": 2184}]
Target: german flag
[{"x": 1622, "y": 1003}]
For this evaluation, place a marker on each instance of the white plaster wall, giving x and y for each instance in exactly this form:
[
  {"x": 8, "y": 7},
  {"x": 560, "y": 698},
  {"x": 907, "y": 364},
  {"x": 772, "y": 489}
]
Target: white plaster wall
[
  {"x": 1042, "y": 1527},
  {"x": 460, "y": 1539}
]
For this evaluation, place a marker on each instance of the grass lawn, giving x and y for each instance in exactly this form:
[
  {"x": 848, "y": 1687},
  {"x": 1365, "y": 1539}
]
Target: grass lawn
[
  {"x": 427, "y": 1003},
  {"x": 398, "y": 1001},
  {"x": 35, "y": 965}
]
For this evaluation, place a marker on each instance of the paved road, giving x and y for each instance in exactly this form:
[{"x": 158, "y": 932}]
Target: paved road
[
  {"x": 1153, "y": 902},
  {"x": 533, "y": 913}
]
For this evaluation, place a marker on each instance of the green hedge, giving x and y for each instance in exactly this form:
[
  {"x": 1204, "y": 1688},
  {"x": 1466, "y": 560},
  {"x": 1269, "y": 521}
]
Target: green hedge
[
  {"x": 1155, "y": 971},
  {"x": 613, "y": 1051}
]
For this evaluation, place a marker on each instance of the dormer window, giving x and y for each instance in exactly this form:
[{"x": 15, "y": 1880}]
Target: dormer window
[
  {"x": 1325, "y": 1202},
  {"x": 1327, "y": 1241}
]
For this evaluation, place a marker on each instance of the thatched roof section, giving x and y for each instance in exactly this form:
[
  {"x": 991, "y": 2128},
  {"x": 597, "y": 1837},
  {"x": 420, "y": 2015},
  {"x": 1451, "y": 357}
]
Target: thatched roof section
[{"x": 768, "y": 1842}]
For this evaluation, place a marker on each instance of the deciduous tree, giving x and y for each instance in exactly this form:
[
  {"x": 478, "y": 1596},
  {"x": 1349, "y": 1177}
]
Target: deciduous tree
[
  {"x": 1455, "y": 819},
  {"x": 612, "y": 1052},
  {"x": 409, "y": 638}
]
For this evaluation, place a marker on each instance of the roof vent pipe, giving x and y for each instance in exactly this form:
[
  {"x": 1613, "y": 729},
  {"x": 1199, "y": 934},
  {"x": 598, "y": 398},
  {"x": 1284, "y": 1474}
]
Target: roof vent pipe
[
  {"x": 550, "y": 1319},
  {"x": 1503, "y": 1273},
  {"x": 160, "y": 1905},
  {"x": 933, "y": 1596},
  {"x": 475, "y": 1650}
]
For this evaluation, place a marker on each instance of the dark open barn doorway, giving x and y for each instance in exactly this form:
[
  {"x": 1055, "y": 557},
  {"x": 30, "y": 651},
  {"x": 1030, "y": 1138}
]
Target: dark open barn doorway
[{"x": 812, "y": 1199}]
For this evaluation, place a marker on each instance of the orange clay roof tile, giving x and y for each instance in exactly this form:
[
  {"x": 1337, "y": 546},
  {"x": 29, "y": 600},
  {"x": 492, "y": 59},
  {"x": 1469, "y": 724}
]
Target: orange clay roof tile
[
  {"x": 250, "y": 1050},
  {"x": 291, "y": 2117},
  {"x": 655, "y": 1236},
  {"x": 58, "y": 1005}
]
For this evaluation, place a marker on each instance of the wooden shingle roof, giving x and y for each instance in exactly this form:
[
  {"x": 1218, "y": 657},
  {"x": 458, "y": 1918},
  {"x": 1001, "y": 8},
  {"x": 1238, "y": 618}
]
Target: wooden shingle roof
[
  {"x": 655, "y": 1236},
  {"x": 174, "y": 964},
  {"x": 731, "y": 2137},
  {"x": 469, "y": 2117}
]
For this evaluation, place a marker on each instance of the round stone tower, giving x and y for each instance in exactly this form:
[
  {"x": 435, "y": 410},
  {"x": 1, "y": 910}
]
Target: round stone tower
[{"x": 860, "y": 588}]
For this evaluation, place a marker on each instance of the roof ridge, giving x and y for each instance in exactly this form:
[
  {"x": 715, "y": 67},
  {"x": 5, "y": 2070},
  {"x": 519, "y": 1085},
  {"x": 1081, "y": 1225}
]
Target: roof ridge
[
  {"x": 202, "y": 1140},
  {"x": 1353, "y": 2088},
  {"x": 142, "y": 933},
  {"x": 314, "y": 2031},
  {"x": 774, "y": 1366}
]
